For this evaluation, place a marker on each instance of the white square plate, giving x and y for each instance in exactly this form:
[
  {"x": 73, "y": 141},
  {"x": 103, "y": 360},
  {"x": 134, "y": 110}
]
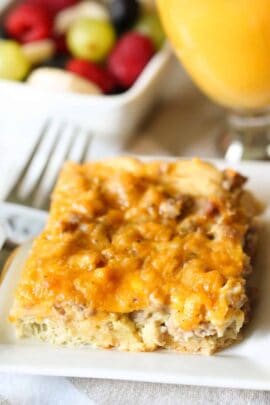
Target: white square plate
[{"x": 245, "y": 365}]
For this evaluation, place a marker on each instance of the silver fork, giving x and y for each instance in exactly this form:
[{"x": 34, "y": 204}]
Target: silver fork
[{"x": 56, "y": 142}]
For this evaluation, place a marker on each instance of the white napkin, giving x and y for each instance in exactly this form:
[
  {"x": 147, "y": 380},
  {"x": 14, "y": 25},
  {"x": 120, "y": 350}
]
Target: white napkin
[{"x": 35, "y": 390}]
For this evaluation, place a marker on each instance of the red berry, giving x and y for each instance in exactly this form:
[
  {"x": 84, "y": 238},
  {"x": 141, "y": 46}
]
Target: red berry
[
  {"x": 60, "y": 44},
  {"x": 54, "y": 5},
  {"x": 129, "y": 57},
  {"x": 28, "y": 22},
  {"x": 94, "y": 73}
]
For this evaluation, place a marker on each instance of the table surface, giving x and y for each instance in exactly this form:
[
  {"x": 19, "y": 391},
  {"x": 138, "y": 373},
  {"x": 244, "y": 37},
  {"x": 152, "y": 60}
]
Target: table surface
[{"x": 185, "y": 124}]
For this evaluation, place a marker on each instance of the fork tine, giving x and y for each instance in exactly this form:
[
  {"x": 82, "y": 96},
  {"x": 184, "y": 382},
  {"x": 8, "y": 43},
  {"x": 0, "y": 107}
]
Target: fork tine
[
  {"x": 40, "y": 160},
  {"x": 41, "y": 195},
  {"x": 79, "y": 148},
  {"x": 14, "y": 189}
]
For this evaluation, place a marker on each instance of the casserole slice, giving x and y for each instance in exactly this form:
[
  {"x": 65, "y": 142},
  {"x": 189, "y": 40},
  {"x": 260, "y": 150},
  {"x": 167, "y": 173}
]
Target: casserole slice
[{"x": 140, "y": 256}]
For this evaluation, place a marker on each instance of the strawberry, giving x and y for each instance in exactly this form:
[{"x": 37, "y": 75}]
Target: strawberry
[
  {"x": 94, "y": 73},
  {"x": 28, "y": 22},
  {"x": 129, "y": 57}
]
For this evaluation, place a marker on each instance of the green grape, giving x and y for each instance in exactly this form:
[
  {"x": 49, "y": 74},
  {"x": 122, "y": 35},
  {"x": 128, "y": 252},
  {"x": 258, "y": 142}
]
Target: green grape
[
  {"x": 14, "y": 65},
  {"x": 91, "y": 39},
  {"x": 149, "y": 24}
]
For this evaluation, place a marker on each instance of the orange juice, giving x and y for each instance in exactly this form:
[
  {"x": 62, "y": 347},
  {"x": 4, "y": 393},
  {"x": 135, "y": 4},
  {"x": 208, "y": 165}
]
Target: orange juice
[{"x": 225, "y": 47}]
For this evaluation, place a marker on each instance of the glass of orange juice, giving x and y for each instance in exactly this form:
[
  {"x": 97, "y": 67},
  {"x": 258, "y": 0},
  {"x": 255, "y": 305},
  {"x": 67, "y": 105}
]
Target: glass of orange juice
[{"x": 225, "y": 47}]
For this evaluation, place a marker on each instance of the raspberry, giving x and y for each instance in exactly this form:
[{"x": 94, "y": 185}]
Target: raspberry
[
  {"x": 28, "y": 22},
  {"x": 129, "y": 57},
  {"x": 54, "y": 6},
  {"x": 94, "y": 73}
]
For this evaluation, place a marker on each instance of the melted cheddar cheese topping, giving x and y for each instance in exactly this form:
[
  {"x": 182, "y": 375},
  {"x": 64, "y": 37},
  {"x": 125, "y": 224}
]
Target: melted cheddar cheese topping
[{"x": 124, "y": 236}]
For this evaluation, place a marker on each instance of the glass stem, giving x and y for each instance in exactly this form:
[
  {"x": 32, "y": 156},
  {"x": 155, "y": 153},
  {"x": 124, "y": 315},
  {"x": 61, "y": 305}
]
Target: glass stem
[{"x": 247, "y": 136}]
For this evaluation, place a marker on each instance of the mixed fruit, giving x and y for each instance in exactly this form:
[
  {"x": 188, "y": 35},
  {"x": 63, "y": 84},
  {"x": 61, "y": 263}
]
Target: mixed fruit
[{"x": 83, "y": 46}]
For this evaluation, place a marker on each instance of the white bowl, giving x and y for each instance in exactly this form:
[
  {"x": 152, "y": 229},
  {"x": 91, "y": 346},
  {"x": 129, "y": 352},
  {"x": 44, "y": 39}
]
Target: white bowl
[{"x": 116, "y": 115}]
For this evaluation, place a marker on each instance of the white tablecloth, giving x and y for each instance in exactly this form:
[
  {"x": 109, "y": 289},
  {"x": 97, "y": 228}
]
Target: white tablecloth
[{"x": 185, "y": 125}]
